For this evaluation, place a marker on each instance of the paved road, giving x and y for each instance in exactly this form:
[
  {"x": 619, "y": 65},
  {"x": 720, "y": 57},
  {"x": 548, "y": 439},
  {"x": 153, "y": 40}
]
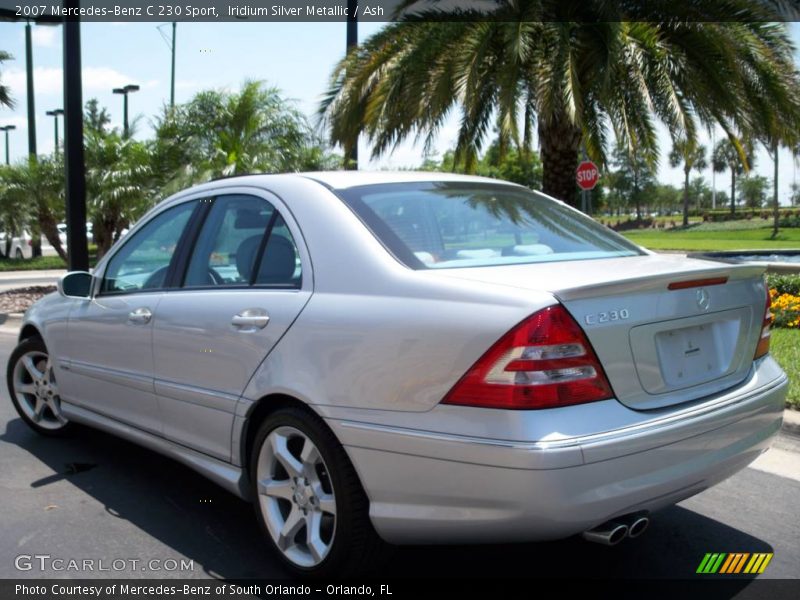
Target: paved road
[{"x": 93, "y": 496}]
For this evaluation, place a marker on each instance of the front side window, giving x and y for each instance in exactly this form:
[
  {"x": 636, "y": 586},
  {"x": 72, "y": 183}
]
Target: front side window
[
  {"x": 243, "y": 241},
  {"x": 439, "y": 225},
  {"x": 142, "y": 263}
]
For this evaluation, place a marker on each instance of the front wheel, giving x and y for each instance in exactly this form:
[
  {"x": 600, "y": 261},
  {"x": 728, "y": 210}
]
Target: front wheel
[
  {"x": 308, "y": 499},
  {"x": 33, "y": 388}
]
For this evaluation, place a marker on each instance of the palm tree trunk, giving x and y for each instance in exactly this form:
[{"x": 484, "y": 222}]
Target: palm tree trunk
[
  {"x": 776, "y": 213},
  {"x": 733, "y": 191},
  {"x": 560, "y": 141},
  {"x": 50, "y": 231},
  {"x": 686, "y": 198}
]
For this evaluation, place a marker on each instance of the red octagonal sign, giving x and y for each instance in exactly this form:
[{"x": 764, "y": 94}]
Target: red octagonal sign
[{"x": 587, "y": 175}]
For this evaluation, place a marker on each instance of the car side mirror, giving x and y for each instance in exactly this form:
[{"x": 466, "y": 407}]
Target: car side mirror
[{"x": 76, "y": 284}]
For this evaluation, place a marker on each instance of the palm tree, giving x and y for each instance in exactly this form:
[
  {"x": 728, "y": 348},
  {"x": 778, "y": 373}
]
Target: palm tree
[
  {"x": 5, "y": 93},
  {"x": 35, "y": 199},
  {"x": 728, "y": 154},
  {"x": 219, "y": 133},
  {"x": 690, "y": 155},
  {"x": 119, "y": 184},
  {"x": 570, "y": 78}
]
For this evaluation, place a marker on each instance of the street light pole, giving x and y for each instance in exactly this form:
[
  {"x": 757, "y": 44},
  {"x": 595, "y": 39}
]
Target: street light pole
[
  {"x": 29, "y": 79},
  {"x": 125, "y": 91},
  {"x": 55, "y": 113},
  {"x": 7, "y": 128},
  {"x": 172, "y": 77},
  {"x": 352, "y": 42}
]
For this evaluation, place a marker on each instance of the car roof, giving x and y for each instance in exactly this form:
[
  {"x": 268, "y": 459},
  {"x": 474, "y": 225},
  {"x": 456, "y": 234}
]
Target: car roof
[
  {"x": 339, "y": 180},
  {"x": 346, "y": 179}
]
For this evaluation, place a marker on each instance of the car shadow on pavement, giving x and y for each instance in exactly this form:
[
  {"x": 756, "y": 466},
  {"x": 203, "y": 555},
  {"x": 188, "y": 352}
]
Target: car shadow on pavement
[{"x": 189, "y": 514}]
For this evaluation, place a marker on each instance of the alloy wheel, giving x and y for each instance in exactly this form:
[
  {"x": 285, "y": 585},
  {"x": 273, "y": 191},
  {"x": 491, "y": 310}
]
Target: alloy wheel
[
  {"x": 36, "y": 390},
  {"x": 296, "y": 496}
]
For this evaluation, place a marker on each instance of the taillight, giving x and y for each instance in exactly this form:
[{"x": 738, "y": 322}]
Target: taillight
[
  {"x": 544, "y": 362},
  {"x": 762, "y": 348}
]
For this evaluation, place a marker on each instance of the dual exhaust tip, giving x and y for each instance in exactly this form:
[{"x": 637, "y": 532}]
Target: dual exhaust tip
[{"x": 613, "y": 532}]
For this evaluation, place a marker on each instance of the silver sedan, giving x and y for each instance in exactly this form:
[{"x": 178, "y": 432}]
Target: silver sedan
[{"x": 378, "y": 358}]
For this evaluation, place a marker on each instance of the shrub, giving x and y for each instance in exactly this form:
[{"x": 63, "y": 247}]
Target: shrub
[
  {"x": 784, "y": 284},
  {"x": 785, "y": 309}
]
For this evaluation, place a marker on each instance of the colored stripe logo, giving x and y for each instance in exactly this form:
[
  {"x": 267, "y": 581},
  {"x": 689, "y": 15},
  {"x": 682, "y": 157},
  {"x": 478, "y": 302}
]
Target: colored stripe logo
[{"x": 733, "y": 563}]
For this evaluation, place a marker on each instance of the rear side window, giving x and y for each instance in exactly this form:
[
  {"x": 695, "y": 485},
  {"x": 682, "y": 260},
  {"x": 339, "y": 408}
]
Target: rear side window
[{"x": 434, "y": 225}]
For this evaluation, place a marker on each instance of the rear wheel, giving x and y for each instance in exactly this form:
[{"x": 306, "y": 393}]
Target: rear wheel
[
  {"x": 33, "y": 388},
  {"x": 308, "y": 499}
]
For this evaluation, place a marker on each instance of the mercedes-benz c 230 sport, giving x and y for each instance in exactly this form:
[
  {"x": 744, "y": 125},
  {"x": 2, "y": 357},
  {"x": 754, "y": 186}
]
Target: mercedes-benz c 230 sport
[{"x": 409, "y": 358}]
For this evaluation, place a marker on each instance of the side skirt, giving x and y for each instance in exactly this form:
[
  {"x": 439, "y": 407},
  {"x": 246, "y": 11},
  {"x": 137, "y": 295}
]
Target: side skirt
[{"x": 223, "y": 474}]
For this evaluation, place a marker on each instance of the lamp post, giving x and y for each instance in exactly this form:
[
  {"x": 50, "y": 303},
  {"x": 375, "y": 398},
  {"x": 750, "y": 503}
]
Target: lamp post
[
  {"x": 7, "y": 128},
  {"x": 55, "y": 113},
  {"x": 352, "y": 42},
  {"x": 125, "y": 91}
]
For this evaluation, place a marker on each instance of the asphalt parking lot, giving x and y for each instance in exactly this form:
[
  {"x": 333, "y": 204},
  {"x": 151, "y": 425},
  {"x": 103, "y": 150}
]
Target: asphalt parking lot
[{"x": 95, "y": 497}]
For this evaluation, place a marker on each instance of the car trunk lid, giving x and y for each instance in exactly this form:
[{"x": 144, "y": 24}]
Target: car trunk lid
[{"x": 666, "y": 329}]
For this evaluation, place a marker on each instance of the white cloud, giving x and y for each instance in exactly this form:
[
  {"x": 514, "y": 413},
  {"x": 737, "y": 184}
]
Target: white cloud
[
  {"x": 50, "y": 80},
  {"x": 44, "y": 36},
  {"x": 104, "y": 78},
  {"x": 19, "y": 122},
  {"x": 46, "y": 80}
]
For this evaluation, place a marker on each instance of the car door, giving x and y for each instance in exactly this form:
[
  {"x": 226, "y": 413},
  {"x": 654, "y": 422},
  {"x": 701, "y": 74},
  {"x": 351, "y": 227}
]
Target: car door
[
  {"x": 245, "y": 281},
  {"x": 110, "y": 370}
]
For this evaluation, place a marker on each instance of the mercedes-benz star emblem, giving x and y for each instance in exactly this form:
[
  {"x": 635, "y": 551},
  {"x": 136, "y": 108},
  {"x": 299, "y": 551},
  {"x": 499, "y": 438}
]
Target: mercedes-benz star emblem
[{"x": 703, "y": 298}]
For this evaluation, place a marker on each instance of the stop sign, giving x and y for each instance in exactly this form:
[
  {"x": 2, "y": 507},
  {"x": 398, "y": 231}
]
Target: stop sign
[{"x": 587, "y": 175}]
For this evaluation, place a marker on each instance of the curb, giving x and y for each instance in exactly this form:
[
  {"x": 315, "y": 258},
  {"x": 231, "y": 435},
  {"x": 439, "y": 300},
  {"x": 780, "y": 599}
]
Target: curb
[
  {"x": 791, "y": 422},
  {"x": 11, "y": 319}
]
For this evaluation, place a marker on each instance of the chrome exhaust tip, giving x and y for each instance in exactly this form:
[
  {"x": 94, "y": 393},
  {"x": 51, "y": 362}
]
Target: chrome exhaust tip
[
  {"x": 608, "y": 534},
  {"x": 637, "y": 526}
]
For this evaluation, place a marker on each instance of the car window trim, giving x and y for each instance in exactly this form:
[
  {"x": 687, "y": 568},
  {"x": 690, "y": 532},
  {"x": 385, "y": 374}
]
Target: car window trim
[
  {"x": 101, "y": 293},
  {"x": 262, "y": 245},
  {"x": 176, "y": 276}
]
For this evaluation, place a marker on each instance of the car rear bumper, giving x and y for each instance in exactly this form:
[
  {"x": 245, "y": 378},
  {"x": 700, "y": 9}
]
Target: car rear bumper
[{"x": 428, "y": 487}]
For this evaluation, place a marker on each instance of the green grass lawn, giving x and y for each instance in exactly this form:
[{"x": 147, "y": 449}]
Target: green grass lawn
[
  {"x": 33, "y": 264},
  {"x": 785, "y": 347},
  {"x": 698, "y": 238}
]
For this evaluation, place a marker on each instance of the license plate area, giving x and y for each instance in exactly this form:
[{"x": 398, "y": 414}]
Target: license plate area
[{"x": 679, "y": 354}]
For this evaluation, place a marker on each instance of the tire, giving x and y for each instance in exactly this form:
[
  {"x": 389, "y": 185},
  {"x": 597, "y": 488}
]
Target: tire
[
  {"x": 301, "y": 497},
  {"x": 18, "y": 254},
  {"x": 33, "y": 389}
]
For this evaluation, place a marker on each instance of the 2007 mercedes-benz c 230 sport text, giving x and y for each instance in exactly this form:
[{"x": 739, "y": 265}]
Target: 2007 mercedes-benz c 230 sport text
[{"x": 409, "y": 358}]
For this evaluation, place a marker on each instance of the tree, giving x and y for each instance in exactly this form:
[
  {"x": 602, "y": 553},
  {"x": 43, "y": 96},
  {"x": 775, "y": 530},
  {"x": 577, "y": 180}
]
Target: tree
[
  {"x": 119, "y": 184},
  {"x": 34, "y": 192},
  {"x": 14, "y": 215},
  {"x": 219, "y": 134},
  {"x": 754, "y": 190},
  {"x": 794, "y": 197},
  {"x": 700, "y": 193},
  {"x": 5, "y": 92},
  {"x": 736, "y": 155},
  {"x": 572, "y": 76},
  {"x": 515, "y": 165},
  {"x": 633, "y": 179},
  {"x": 691, "y": 156}
]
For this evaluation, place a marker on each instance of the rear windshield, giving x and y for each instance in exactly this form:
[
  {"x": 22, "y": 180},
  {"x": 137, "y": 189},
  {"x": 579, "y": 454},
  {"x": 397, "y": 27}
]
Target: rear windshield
[{"x": 435, "y": 225}]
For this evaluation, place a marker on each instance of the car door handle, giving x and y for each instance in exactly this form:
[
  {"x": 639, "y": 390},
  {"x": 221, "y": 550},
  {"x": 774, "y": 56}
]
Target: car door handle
[
  {"x": 251, "y": 319},
  {"x": 140, "y": 316}
]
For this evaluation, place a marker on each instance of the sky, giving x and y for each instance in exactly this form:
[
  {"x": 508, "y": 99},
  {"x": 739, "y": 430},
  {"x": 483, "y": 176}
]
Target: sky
[{"x": 297, "y": 58}]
